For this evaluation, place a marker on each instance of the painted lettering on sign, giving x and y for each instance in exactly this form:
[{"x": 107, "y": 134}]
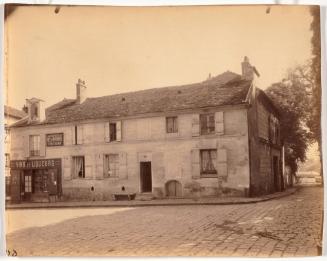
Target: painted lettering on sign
[
  {"x": 35, "y": 164},
  {"x": 55, "y": 139}
]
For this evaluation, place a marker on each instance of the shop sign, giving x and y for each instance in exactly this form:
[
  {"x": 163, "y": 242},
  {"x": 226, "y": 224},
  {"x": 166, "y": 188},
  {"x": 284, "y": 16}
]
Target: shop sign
[
  {"x": 35, "y": 164},
  {"x": 55, "y": 139}
]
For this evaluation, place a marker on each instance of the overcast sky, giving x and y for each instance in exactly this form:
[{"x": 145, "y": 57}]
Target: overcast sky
[{"x": 121, "y": 49}]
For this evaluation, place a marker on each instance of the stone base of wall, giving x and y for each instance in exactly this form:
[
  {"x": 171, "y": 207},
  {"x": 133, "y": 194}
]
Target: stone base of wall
[{"x": 190, "y": 190}]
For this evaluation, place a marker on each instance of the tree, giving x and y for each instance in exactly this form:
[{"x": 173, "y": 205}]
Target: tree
[
  {"x": 292, "y": 96},
  {"x": 314, "y": 123}
]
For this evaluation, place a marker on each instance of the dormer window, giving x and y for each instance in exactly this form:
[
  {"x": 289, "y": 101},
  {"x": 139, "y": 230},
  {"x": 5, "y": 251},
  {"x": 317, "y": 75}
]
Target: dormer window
[{"x": 34, "y": 109}]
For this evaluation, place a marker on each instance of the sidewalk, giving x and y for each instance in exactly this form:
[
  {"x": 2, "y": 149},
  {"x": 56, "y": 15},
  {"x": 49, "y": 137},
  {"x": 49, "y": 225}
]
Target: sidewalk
[{"x": 153, "y": 202}]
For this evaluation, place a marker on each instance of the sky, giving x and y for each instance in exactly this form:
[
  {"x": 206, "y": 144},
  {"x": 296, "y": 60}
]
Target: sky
[{"x": 122, "y": 49}]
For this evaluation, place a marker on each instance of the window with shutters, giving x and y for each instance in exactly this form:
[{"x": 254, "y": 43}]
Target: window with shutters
[
  {"x": 208, "y": 161},
  {"x": 171, "y": 125},
  {"x": 34, "y": 145},
  {"x": 113, "y": 131},
  {"x": 111, "y": 165},
  {"x": 207, "y": 123},
  {"x": 78, "y": 167},
  {"x": 78, "y": 134}
]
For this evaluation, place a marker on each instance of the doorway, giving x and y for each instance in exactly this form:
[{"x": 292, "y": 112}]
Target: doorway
[
  {"x": 173, "y": 189},
  {"x": 146, "y": 176},
  {"x": 276, "y": 174}
]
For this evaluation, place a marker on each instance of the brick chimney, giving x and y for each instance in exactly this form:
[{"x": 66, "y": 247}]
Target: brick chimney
[
  {"x": 248, "y": 71},
  {"x": 80, "y": 91}
]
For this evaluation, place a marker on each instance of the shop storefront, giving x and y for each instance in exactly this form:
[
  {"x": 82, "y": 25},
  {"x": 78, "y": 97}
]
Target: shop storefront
[{"x": 35, "y": 180}]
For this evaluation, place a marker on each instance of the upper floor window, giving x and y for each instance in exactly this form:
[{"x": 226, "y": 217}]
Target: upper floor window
[
  {"x": 111, "y": 164},
  {"x": 274, "y": 129},
  {"x": 7, "y": 164},
  {"x": 208, "y": 161},
  {"x": 207, "y": 123},
  {"x": 78, "y": 134},
  {"x": 113, "y": 131},
  {"x": 34, "y": 145},
  {"x": 78, "y": 167},
  {"x": 171, "y": 124}
]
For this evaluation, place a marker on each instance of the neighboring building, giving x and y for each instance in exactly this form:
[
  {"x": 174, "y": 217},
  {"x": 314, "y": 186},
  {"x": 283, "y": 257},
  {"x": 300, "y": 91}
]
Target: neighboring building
[
  {"x": 11, "y": 115},
  {"x": 219, "y": 137}
]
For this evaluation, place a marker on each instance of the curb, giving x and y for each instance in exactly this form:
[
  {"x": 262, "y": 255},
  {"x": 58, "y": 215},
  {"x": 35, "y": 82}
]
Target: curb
[{"x": 151, "y": 203}]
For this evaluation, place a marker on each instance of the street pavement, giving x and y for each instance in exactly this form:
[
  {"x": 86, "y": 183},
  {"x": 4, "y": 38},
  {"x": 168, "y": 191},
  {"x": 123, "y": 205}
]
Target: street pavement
[{"x": 284, "y": 227}]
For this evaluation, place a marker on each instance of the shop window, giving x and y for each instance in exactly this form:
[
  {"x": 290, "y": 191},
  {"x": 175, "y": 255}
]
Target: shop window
[
  {"x": 207, "y": 123},
  {"x": 111, "y": 164},
  {"x": 113, "y": 131},
  {"x": 208, "y": 161},
  {"x": 34, "y": 143},
  {"x": 78, "y": 167},
  {"x": 7, "y": 158},
  {"x": 40, "y": 182},
  {"x": 171, "y": 125}
]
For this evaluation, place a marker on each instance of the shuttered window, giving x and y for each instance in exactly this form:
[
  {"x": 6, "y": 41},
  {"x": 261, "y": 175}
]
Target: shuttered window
[
  {"x": 111, "y": 165},
  {"x": 171, "y": 125},
  {"x": 208, "y": 161},
  {"x": 207, "y": 122}
]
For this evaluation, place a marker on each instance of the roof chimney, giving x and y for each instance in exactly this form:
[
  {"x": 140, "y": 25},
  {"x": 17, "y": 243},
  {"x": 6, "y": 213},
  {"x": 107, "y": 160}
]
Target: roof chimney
[
  {"x": 248, "y": 70},
  {"x": 80, "y": 91}
]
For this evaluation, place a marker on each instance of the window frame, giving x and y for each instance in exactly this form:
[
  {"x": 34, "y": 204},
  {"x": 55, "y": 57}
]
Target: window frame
[
  {"x": 207, "y": 129},
  {"x": 112, "y": 131},
  {"x": 106, "y": 167},
  {"x": 34, "y": 153},
  {"x": 174, "y": 122},
  {"x": 7, "y": 160},
  {"x": 76, "y": 175},
  {"x": 213, "y": 161}
]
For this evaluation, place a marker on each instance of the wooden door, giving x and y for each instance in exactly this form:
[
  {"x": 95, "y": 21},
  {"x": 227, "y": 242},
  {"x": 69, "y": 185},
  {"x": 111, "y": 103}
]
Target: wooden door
[
  {"x": 276, "y": 174},
  {"x": 15, "y": 186},
  {"x": 174, "y": 188},
  {"x": 146, "y": 176},
  {"x": 52, "y": 182}
]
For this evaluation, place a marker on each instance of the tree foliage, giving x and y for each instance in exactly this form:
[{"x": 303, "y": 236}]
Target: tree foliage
[
  {"x": 314, "y": 121},
  {"x": 292, "y": 96},
  {"x": 299, "y": 99}
]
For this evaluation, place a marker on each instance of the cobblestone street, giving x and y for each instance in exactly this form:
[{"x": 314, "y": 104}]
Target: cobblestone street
[{"x": 289, "y": 226}]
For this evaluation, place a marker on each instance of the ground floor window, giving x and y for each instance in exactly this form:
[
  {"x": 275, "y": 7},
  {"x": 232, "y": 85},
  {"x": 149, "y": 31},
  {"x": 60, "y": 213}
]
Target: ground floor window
[
  {"x": 111, "y": 163},
  {"x": 208, "y": 161},
  {"x": 40, "y": 181},
  {"x": 78, "y": 167},
  {"x": 28, "y": 183}
]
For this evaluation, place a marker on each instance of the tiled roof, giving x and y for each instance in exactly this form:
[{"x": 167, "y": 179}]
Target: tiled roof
[
  {"x": 60, "y": 105},
  {"x": 225, "y": 89},
  {"x": 12, "y": 112}
]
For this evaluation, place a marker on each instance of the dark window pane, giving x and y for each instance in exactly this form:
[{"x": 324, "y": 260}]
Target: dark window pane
[{"x": 113, "y": 131}]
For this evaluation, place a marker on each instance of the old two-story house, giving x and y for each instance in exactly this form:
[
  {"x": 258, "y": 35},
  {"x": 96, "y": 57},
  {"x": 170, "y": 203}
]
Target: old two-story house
[
  {"x": 219, "y": 137},
  {"x": 11, "y": 115}
]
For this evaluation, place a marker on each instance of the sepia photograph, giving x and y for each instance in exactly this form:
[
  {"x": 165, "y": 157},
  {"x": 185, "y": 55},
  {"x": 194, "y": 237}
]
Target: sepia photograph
[{"x": 156, "y": 131}]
